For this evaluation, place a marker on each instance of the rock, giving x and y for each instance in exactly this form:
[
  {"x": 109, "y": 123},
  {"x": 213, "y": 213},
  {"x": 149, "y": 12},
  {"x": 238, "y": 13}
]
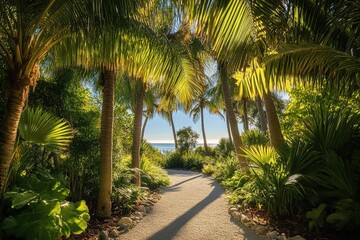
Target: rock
[
  {"x": 282, "y": 237},
  {"x": 125, "y": 221},
  {"x": 154, "y": 200},
  {"x": 113, "y": 234},
  {"x": 141, "y": 208},
  {"x": 123, "y": 228},
  {"x": 297, "y": 237},
  {"x": 103, "y": 236},
  {"x": 148, "y": 209},
  {"x": 272, "y": 234},
  {"x": 149, "y": 203},
  {"x": 244, "y": 218},
  {"x": 138, "y": 215},
  {"x": 232, "y": 209},
  {"x": 236, "y": 215},
  {"x": 260, "y": 230}
]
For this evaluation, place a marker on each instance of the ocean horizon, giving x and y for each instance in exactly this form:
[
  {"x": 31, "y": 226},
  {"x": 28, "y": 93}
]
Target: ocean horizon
[{"x": 163, "y": 147}]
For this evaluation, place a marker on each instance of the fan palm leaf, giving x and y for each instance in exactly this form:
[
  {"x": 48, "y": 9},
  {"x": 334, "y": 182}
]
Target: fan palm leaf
[{"x": 39, "y": 127}]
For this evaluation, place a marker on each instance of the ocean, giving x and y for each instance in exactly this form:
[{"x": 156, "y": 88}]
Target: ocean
[{"x": 163, "y": 147}]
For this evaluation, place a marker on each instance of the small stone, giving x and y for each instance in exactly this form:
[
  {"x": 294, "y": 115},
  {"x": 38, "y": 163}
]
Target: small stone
[
  {"x": 149, "y": 203},
  {"x": 244, "y": 218},
  {"x": 232, "y": 209},
  {"x": 297, "y": 237},
  {"x": 141, "y": 208},
  {"x": 260, "y": 230},
  {"x": 123, "y": 228},
  {"x": 148, "y": 209},
  {"x": 125, "y": 221},
  {"x": 236, "y": 215},
  {"x": 272, "y": 234},
  {"x": 113, "y": 234},
  {"x": 103, "y": 236},
  {"x": 282, "y": 237},
  {"x": 138, "y": 215}
]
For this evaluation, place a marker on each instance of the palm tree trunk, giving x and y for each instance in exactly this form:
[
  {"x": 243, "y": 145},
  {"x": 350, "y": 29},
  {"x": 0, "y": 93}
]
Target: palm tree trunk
[
  {"x": 143, "y": 127},
  {"x": 18, "y": 94},
  {"x": 232, "y": 118},
  {"x": 228, "y": 127},
  {"x": 262, "y": 116},
  {"x": 173, "y": 130},
  {"x": 103, "y": 208},
  {"x": 245, "y": 116},
  {"x": 276, "y": 137},
  {"x": 203, "y": 129},
  {"x": 135, "y": 153}
]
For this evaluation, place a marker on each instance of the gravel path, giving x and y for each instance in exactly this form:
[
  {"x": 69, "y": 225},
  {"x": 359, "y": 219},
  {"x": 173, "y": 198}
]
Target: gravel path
[{"x": 193, "y": 207}]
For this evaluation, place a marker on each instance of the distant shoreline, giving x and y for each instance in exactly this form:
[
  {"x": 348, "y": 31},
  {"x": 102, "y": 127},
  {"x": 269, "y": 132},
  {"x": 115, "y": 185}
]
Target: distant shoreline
[{"x": 163, "y": 147}]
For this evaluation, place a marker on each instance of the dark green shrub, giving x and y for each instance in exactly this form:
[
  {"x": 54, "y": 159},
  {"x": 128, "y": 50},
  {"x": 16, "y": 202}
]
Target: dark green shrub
[
  {"x": 225, "y": 148},
  {"x": 126, "y": 198},
  {"x": 39, "y": 209}
]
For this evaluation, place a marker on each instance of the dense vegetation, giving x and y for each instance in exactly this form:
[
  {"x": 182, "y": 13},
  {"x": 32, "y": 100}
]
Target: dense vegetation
[{"x": 78, "y": 78}]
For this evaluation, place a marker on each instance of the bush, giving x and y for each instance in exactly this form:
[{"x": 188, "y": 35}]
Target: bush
[
  {"x": 39, "y": 209},
  {"x": 225, "y": 169},
  {"x": 254, "y": 137},
  {"x": 190, "y": 161},
  {"x": 152, "y": 175},
  {"x": 225, "y": 148},
  {"x": 127, "y": 198},
  {"x": 208, "y": 169}
]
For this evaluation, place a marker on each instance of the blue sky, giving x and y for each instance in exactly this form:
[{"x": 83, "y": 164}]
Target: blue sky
[{"x": 158, "y": 130}]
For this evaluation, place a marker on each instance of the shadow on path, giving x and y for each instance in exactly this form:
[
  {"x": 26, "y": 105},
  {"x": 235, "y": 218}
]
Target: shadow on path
[
  {"x": 170, "y": 230},
  {"x": 187, "y": 180}
]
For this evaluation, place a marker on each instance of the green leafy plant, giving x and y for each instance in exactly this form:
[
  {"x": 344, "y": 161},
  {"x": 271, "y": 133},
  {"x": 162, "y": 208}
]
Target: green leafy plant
[
  {"x": 126, "y": 198},
  {"x": 42, "y": 128},
  {"x": 317, "y": 217},
  {"x": 346, "y": 215},
  {"x": 39, "y": 210},
  {"x": 254, "y": 137}
]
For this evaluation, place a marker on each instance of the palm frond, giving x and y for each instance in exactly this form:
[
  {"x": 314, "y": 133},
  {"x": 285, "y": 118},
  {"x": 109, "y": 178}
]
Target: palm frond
[{"x": 39, "y": 127}]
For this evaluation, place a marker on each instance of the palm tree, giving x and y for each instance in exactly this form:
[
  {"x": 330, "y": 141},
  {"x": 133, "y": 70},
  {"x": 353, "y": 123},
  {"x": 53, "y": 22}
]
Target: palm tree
[{"x": 28, "y": 31}]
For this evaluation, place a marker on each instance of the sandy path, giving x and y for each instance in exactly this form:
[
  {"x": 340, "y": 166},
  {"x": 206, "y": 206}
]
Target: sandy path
[{"x": 193, "y": 207}]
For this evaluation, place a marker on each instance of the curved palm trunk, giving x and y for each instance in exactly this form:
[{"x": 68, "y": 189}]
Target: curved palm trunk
[
  {"x": 262, "y": 116},
  {"x": 103, "y": 208},
  {"x": 18, "y": 94},
  {"x": 231, "y": 116},
  {"x": 143, "y": 127},
  {"x": 173, "y": 130},
  {"x": 276, "y": 137},
  {"x": 135, "y": 153},
  {"x": 203, "y": 129},
  {"x": 245, "y": 116}
]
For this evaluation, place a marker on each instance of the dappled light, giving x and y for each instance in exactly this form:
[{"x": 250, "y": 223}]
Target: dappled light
[{"x": 252, "y": 110}]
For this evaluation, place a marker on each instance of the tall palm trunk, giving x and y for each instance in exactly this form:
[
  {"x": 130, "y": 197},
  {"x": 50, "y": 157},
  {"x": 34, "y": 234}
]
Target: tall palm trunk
[
  {"x": 231, "y": 116},
  {"x": 103, "y": 208},
  {"x": 228, "y": 128},
  {"x": 173, "y": 130},
  {"x": 135, "y": 153},
  {"x": 276, "y": 137},
  {"x": 245, "y": 116},
  {"x": 143, "y": 127},
  {"x": 262, "y": 116},
  {"x": 203, "y": 129},
  {"x": 18, "y": 94}
]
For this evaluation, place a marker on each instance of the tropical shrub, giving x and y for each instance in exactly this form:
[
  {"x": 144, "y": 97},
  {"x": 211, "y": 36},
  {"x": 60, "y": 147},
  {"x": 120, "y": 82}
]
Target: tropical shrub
[
  {"x": 126, "y": 198},
  {"x": 39, "y": 210},
  {"x": 224, "y": 148},
  {"x": 190, "y": 161},
  {"x": 225, "y": 168},
  {"x": 254, "y": 137}
]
